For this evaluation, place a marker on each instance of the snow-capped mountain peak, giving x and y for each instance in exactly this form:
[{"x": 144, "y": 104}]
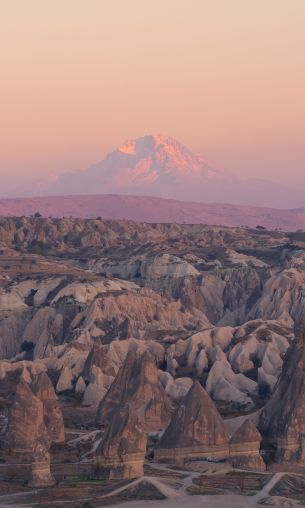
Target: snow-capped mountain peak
[{"x": 160, "y": 166}]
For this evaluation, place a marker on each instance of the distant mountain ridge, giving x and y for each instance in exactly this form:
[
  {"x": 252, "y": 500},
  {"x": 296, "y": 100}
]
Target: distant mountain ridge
[
  {"x": 153, "y": 210},
  {"x": 160, "y": 166}
]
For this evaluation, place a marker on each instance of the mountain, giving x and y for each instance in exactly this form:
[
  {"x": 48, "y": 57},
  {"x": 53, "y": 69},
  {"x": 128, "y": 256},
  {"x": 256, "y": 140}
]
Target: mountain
[
  {"x": 160, "y": 166},
  {"x": 150, "y": 209}
]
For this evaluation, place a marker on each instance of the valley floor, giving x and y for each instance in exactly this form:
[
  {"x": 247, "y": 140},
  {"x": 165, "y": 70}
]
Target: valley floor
[{"x": 200, "y": 484}]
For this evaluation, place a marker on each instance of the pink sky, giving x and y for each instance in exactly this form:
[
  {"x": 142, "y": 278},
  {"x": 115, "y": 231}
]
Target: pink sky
[{"x": 225, "y": 77}]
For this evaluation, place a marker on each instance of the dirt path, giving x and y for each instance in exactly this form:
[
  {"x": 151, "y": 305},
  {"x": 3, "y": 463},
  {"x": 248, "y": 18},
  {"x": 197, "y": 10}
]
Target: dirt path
[
  {"x": 175, "y": 497},
  {"x": 6, "y": 498},
  {"x": 166, "y": 490},
  {"x": 268, "y": 487}
]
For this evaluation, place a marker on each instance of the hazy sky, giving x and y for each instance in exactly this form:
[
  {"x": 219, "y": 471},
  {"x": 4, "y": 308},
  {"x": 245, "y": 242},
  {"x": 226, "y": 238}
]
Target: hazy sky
[{"x": 225, "y": 77}]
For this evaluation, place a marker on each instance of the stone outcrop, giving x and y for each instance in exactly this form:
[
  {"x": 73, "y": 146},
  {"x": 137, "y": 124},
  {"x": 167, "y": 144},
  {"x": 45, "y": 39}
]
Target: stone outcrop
[
  {"x": 282, "y": 422},
  {"x": 161, "y": 272},
  {"x": 299, "y": 330},
  {"x": 176, "y": 389},
  {"x": 44, "y": 330},
  {"x": 223, "y": 384},
  {"x": 121, "y": 452},
  {"x": 110, "y": 357},
  {"x": 96, "y": 358},
  {"x": 281, "y": 297},
  {"x": 228, "y": 355},
  {"x": 196, "y": 430},
  {"x": 245, "y": 448},
  {"x": 210, "y": 303},
  {"x": 142, "y": 315},
  {"x": 69, "y": 360},
  {"x": 26, "y": 424},
  {"x": 65, "y": 382},
  {"x": 97, "y": 388},
  {"x": 53, "y": 419},
  {"x": 80, "y": 387},
  {"x": 35, "y": 419},
  {"x": 137, "y": 386},
  {"x": 41, "y": 472}
]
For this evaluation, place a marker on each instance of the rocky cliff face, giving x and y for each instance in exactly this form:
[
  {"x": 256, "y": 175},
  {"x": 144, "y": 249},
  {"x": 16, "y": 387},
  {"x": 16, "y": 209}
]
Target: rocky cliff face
[
  {"x": 35, "y": 418},
  {"x": 195, "y": 430},
  {"x": 41, "y": 473},
  {"x": 53, "y": 419},
  {"x": 282, "y": 297},
  {"x": 144, "y": 314},
  {"x": 121, "y": 453},
  {"x": 138, "y": 388},
  {"x": 194, "y": 278},
  {"x": 82, "y": 301},
  {"x": 26, "y": 425},
  {"x": 245, "y": 448},
  {"x": 282, "y": 421}
]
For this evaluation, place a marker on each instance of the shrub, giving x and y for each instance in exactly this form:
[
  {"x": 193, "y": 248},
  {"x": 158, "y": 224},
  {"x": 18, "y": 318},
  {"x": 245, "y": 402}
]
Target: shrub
[{"x": 27, "y": 345}]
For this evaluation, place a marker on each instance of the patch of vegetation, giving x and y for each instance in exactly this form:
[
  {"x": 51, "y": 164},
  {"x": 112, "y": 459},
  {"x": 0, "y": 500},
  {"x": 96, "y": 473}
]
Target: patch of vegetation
[{"x": 27, "y": 345}]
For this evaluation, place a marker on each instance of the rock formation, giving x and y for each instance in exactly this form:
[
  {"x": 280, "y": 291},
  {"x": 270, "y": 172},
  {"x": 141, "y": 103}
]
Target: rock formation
[
  {"x": 223, "y": 384},
  {"x": 282, "y": 422},
  {"x": 26, "y": 424},
  {"x": 176, "y": 389},
  {"x": 229, "y": 354},
  {"x": 53, "y": 419},
  {"x": 121, "y": 453},
  {"x": 299, "y": 330},
  {"x": 97, "y": 388},
  {"x": 210, "y": 303},
  {"x": 41, "y": 473},
  {"x": 137, "y": 385},
  {"x": 96, "y": 358},
  {"x": 280, "y": 298},
  {"x": 244, "y": 448},
  {"x": 139, "y": 314},
  {"x": 196, "y": 430}
]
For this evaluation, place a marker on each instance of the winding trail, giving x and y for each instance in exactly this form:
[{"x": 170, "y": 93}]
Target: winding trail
[
  {"x": 268, "y": 487},
  {"x": 175, "y": 497}
]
